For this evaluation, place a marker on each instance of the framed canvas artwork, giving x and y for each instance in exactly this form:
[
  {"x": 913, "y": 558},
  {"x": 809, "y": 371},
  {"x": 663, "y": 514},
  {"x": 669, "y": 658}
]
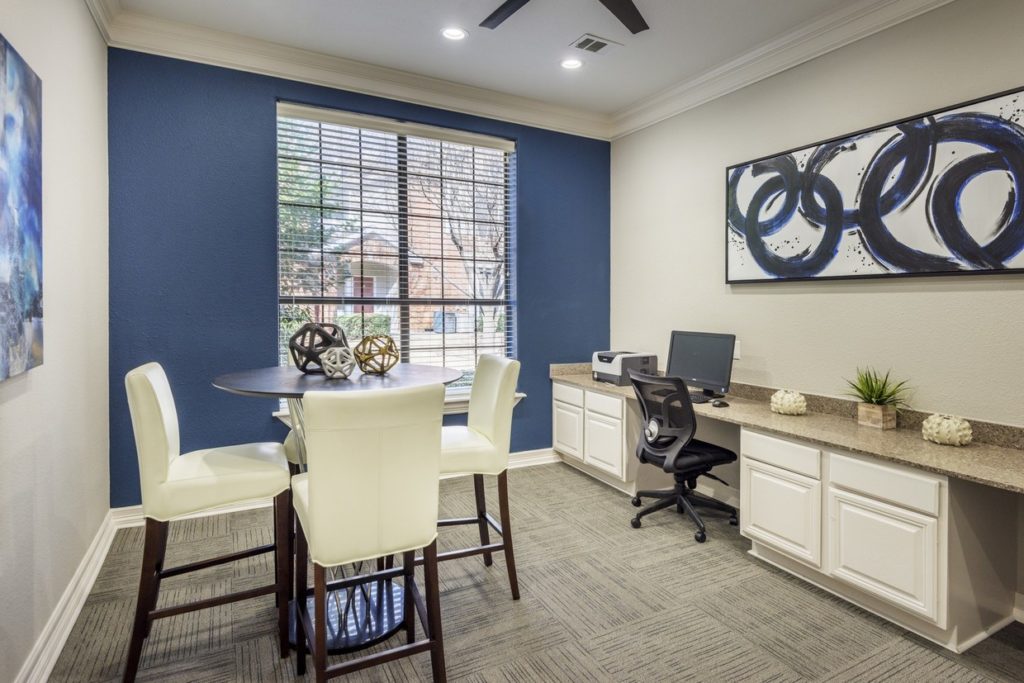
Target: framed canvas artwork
[
  {"x": 21, "y": 222},
  {"x": 941, "y": 193}
]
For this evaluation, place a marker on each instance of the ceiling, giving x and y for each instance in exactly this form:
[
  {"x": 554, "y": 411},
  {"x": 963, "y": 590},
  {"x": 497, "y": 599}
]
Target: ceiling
[{"x": 689, "y": 42}]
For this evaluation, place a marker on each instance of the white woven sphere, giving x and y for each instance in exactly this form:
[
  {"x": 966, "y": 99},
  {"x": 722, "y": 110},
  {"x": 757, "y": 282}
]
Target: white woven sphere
[
  {"x": 947, "y": 429},
  {"x": 786, "y": 402},
  {"x": 337, "y": 362}
]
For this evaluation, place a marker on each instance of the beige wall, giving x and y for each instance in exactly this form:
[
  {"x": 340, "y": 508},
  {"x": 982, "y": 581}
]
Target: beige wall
[
  {"x": 959, "y": 340},
  {"x": 54, "y": 489}
]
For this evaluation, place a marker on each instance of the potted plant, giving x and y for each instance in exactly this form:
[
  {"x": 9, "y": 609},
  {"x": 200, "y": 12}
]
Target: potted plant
[{"x": 881, "y": 398}]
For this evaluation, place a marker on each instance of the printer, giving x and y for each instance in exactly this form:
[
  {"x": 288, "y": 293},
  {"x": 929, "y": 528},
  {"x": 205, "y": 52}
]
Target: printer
[{"x": 611, "y": 366}]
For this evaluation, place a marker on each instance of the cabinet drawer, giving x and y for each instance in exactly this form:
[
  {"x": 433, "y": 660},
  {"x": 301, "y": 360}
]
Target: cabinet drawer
[
  {"x": 914, "y": 490},
  {"x": 887, "y": 551},
  {"x": 606, "y": 405},
  {"x": 781, "y": 453},
  {"x": 566, "y": 394},
  {"x": 781, "y": 509}
]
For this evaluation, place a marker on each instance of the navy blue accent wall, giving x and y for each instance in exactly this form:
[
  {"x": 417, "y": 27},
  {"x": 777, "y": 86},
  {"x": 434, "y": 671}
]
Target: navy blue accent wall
[{"x": 193, "y": 261}]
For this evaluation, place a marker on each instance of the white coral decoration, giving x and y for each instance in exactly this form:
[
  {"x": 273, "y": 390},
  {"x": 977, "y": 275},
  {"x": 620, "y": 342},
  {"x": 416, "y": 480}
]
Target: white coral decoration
[
  {"x": 947, "y": 429},
  {"x": 786, "y": 402},
  {"x": 337, "y": 361}
]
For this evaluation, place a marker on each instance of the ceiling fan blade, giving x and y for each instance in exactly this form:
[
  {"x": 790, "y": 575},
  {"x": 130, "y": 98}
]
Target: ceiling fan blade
[
  {"x": 507, "y": 9},
  {"x": 626, "y": 12}
]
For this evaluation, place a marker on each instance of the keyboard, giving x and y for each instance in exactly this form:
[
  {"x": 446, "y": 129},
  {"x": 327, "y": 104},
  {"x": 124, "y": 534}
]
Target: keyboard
[{"x": 699, "y": 397}]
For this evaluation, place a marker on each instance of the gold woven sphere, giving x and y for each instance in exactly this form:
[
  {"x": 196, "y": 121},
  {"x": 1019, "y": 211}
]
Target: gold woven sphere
[{"x": 376, "y": 354}]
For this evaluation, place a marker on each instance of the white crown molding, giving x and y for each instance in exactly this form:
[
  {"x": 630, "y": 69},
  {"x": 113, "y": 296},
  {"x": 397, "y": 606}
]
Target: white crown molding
[
  {"x": 851, "y": 22},
  {"x": 142, "y": 33}
]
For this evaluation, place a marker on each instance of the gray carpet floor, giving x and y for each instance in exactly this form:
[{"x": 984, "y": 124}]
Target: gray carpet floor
[{"x": 600, "y": 602}]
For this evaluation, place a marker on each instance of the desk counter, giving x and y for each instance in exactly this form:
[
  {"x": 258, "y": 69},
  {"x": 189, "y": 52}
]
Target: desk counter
[{"x": 986, "y": 464}]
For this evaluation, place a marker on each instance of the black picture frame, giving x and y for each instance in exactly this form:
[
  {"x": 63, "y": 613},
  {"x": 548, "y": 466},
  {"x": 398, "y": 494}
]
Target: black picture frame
[{"x": 787, "y": 180}]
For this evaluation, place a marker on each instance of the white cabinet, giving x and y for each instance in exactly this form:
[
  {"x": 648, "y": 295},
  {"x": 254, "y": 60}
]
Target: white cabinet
[
  {"x": 602, "y": 443},
  {"x": 567, "y": 429},
  {"x": 589, "y": 426},
  {"x": 782, "y": 509},
  {"x": 898, "y": 541},
  {"x": 886, "y": 550}
]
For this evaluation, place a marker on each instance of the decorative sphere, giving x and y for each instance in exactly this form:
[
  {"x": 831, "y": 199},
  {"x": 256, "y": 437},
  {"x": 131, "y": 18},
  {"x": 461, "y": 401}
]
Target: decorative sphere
[
  {"x": 338, "y": 361},
  {"x": 948, "y": 430},
  {"x": 786, "y": 402},
  {"x": 376, "y": 354},
  {"x": 311, "y": 340}
]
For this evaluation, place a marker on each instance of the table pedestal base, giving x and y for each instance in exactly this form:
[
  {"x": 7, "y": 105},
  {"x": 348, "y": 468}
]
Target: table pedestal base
[{"x": 358, "y": 617}]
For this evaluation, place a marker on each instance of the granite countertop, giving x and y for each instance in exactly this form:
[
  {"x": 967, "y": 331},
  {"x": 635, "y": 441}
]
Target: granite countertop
[{"x": 983, "y": 463}]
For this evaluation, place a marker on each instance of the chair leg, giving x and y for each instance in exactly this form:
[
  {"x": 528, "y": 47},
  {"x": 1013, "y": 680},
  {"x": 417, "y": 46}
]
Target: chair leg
[
  {"x": 409, "y": 608},
  {"x": 653, "y": 507},
  {"x": 481, "y": 515},
  {"x": 506, "y": 534},
  {"x": 692, "y": 514},
  {"x": 434, "y": 613},
  {"x": 282, "y": 557},
  {"x": 161, "y": 550},
  {"x": 149, "y": 584},
  {"x": 301, "y": 585},
  {"x": 320, "y": 622}
]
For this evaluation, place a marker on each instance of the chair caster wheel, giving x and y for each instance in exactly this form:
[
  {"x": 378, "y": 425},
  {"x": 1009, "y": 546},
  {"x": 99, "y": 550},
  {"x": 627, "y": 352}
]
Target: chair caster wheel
[
  {"x": 734, "y": 520},
  {"x": 635, "y": 522},
  {"x": 636, "y": 501},
  {"x": 700, "y": 537}
]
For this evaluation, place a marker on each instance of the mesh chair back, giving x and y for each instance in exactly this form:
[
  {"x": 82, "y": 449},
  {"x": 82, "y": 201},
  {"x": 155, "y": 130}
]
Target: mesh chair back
[{"x": 669, "y": 420}]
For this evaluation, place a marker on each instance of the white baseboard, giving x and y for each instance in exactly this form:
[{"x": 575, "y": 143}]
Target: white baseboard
[
  {"x": 540, "y": 456},
  {"x": 48, "y": 646},
  {"x": 1018, "y": 610}
]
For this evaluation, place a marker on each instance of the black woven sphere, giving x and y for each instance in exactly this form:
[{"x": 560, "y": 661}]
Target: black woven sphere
[{"x": 310, "y": 341}]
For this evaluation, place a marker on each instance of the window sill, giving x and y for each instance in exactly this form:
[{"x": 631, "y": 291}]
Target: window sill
[{"x": 456, "y": 403}]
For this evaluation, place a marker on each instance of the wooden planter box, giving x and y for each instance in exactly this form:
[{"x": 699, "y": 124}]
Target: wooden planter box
[{"x": 880, "y": 417}]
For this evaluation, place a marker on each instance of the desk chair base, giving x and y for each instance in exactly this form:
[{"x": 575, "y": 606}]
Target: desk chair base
[{"x": 684, "y": 498}]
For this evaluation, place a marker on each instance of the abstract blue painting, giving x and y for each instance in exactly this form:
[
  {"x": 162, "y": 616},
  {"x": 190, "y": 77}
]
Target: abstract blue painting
[
  {"x": 940, "y": 193},
  {"x": 21, "y": 219}
]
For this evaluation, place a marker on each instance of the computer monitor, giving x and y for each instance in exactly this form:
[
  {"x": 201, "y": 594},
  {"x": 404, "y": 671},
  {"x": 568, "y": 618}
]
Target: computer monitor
[{"x": 702, "y": 359}]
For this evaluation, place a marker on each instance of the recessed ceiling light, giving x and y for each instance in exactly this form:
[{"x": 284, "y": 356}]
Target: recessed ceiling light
[
  {"x": 454, "y": 33},
  {"x": 571, "y": 63}
]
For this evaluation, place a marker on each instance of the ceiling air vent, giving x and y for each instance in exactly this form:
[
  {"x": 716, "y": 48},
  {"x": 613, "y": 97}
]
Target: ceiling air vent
[{"x": 588, "y": 42}]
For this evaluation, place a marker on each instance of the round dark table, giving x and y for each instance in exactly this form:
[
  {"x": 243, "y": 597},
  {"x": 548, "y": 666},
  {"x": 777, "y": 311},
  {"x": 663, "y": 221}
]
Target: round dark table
[
  {"x": 290, "y": 383},
  {"x": 364, "y": 615}
]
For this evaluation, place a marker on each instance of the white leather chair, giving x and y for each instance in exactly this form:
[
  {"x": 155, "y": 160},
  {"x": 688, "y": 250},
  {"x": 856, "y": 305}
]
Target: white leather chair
[
  {"x": 174, "y": 485},
  {"x": 371, "y": 491},
  {"x": 482, "y": 447}
]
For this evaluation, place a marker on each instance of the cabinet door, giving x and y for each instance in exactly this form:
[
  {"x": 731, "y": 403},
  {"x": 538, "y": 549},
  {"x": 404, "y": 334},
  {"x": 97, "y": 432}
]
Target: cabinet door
[
  {"x": 567, "y": 429},
  {"x": 602, "y": 443},
  {"x": 781, "y": 509},
  {"x": 885, "y": 550}
]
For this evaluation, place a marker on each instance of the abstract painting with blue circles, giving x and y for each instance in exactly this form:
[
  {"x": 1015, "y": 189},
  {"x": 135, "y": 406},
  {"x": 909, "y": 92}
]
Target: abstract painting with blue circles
[
  {"x": 941, "y": 193},
  {"x": 21, "y": 221}
]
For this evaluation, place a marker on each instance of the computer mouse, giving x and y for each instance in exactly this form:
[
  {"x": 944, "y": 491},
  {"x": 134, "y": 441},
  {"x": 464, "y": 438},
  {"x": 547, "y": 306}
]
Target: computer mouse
[{"x": 719, "y": 403}]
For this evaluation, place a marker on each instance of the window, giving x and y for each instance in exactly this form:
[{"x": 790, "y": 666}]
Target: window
[{"x": 399, "y": 229}]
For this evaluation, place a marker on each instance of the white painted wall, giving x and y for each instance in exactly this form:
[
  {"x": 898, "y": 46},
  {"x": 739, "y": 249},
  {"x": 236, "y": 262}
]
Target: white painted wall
[
  {"x": 959, "y": 340},
  {"x": 54, "y": 481}
]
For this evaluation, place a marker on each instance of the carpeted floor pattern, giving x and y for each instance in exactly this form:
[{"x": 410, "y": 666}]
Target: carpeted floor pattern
[{"x": 600, "y": 602}]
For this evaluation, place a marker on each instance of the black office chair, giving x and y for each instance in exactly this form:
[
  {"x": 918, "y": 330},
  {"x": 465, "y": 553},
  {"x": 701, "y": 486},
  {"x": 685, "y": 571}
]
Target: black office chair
[{"x": 667, "y": 441}]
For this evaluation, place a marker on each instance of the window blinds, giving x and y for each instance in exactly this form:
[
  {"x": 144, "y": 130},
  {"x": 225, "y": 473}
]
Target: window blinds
[{"x": 393, "y": 228}]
